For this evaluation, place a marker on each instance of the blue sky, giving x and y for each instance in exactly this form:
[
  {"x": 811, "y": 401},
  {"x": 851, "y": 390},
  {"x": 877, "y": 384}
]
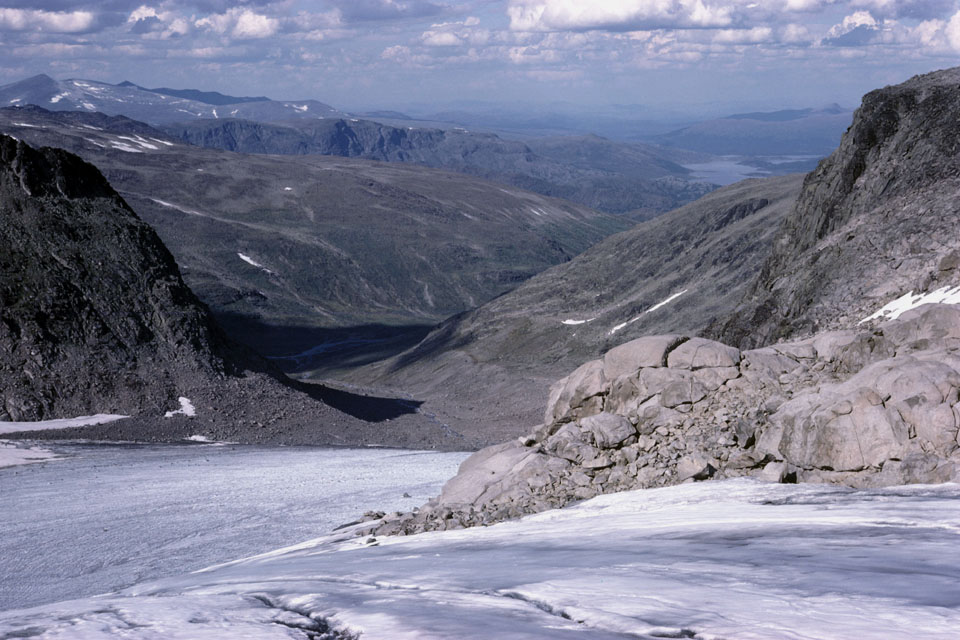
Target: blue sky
[{"x": 716, "y": 54}]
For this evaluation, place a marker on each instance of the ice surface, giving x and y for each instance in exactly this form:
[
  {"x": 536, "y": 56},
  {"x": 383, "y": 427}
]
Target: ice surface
[
  {"x": 732, "y": 559},
  {"x": 653, "y": 308},
  {"x": 186, "y": 409},
  {"x": 108, "y": 516},
  {"x": 59, "y": 423},
  {"x": 893, "y": 310}
]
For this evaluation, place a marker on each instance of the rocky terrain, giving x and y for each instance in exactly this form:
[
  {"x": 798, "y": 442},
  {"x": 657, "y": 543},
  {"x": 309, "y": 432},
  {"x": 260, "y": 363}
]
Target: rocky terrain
[
  {"x": 300, "y": 253},
  {"x": 874, "y": 406},
  {"x": 877, "y": 219},
  {"x": 822, "y": 380},
  {"x": 95, "y": 318},
  {"x": 495, "y": 363},
  {"x": 633, "y": 179}
]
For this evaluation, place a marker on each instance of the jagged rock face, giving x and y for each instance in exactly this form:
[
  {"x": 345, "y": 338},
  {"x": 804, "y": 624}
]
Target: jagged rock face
[
  {"x": 867, "y": 407},
  {"x": 93, "y": 310},
  {"x": 876, "y": 219}
]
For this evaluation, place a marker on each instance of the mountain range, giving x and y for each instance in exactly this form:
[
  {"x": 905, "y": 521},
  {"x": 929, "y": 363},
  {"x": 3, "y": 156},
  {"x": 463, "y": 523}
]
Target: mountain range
[
  {"x": 792, "y": 132},
  {"x": 634, "y": 179},
  {"x": 153, "y": 105}
]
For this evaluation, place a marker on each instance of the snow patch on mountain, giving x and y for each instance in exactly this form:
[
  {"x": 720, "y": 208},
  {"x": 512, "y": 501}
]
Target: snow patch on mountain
[
  {"x": 651, "y": 309},
  {"x": 186, "y": 409},
  {"x": 894, "y": 309},
  {"x": 59, "y": 423},
  {"x": 253, "y": 262}
]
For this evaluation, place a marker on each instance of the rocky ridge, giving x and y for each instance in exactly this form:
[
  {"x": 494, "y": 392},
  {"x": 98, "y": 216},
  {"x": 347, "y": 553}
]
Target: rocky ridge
[
  {"x": 872, "y": 406},
  {"x": 876, "y": 219}
]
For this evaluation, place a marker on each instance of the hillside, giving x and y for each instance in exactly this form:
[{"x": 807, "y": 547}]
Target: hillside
[
  {"x": 292, "y": 253},
  {"x": 622, "y": 178},
  {"x": 875, "y": 221},
  {"x": 95, "y": 318},
  {"x": 493, "y": 364}
]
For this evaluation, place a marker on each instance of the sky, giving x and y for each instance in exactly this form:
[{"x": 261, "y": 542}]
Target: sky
[{"x": 660, "y": 55}]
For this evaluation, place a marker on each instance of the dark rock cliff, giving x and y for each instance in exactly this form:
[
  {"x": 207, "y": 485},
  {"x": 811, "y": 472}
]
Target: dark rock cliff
[
  {"x": 876, "y": 219},
  {"x": 93, "y": 311}
]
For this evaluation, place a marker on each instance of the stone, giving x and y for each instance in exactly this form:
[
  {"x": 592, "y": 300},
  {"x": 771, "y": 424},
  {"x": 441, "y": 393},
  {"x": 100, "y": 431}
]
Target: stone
[
  {"x": 822, "y": 432},
  {"x": 682, "y": 392},
  {"x": 628, "y": 358},
  {"x": 695, "y": 466},
  {"x": 578, "y": 394},
  {"x": 609, "y": 430},
  {"x": 480, "y": 470},
  {"x": 697, "y": 353},
  {"x": 772, "y": 472}
]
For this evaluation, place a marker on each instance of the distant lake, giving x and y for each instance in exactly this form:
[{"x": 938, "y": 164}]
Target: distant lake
[
  {"x": 729, "y": 169},
  {"x": 110, "y": 516}
]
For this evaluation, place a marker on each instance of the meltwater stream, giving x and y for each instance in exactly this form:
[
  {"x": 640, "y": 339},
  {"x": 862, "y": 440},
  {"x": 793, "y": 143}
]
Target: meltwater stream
[{"x": 110, "y": 516}]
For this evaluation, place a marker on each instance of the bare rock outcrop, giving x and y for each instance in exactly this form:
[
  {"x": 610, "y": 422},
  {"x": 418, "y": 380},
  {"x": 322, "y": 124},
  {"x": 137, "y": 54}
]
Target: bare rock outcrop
[
  {"x": 871, "y": 406},
  {"x": 875, "y": 220}
]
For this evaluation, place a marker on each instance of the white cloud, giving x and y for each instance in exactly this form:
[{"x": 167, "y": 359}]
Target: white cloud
[
  {"x": 952, "y": 31},
  {"x": 851, "y": 22},
  {"x": 621, "y": 15},
  {"x": 795, "y": 34},
  {"x": 253, "y": 25},
  {"x": 440, "y": 39},
  {"x": 744, "y": 36},
  {"x": 39, "y": 20},
  {"x": 240, "y": 23}
]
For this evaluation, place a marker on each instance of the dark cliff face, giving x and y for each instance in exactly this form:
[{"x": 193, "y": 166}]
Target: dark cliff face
[
  {"x": 873, "y": 221},
  {"x": 93, "y": 311}
]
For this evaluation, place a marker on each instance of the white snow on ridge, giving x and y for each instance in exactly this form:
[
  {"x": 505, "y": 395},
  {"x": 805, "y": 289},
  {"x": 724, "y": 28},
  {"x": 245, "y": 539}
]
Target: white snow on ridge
[
  {"x": 253, "y": 262},
  {"x": 122, "y": 146},
  {"x": 139, "y": 141},
  {"x": 724, "y": 559},
  {"x": 896, "y": 308},
  {"x": 170, "y": 205},
  {"x": 186, "y": 409},
  {"x": 653, "y": 308},
  {"x": 164, "y": 142},
  {"x": 12, "y": 455},
  {"x": 57, "y": 98},
  {"x": 24, "y": 124},
  {"x": 59, "y": 423},
  {"x": 576, "y": 322}
]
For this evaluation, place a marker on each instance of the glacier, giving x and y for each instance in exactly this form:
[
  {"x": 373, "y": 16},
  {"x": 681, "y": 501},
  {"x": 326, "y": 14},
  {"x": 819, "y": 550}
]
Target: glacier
[{"x": 725, "y": 559}]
